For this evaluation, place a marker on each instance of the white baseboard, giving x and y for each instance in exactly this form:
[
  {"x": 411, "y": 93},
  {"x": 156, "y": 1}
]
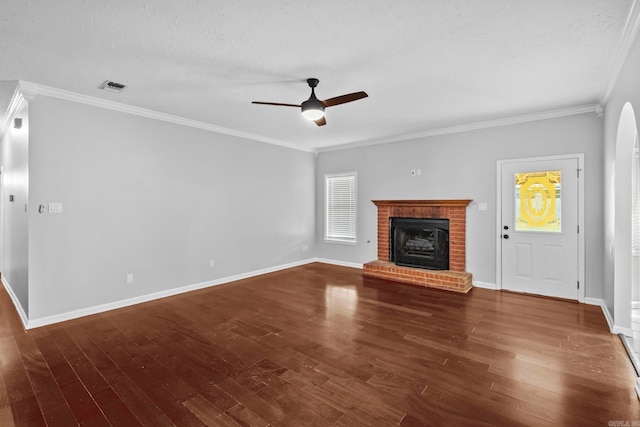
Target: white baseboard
[
  {"x": 624, "y": 331},
  {"x": 485, "y": 285},
  {"x": 48, "y": 320},
  {"x": 340, "y": 263},
  {"x": 16, "y": 302},
  {"x": 615, "y": 329},
  {"x": 595, "y": 301},
  {"x": 637, "y": 387},
  {"x": 605, "y": 311}
]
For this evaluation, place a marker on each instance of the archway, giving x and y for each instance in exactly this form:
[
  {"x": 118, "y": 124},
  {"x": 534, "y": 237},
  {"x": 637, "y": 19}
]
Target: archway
[{"x": 624, "y": 186}]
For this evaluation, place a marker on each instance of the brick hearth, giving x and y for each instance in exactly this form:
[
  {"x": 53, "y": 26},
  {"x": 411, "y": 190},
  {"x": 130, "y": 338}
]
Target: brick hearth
[{"x": 456, "y": 278}]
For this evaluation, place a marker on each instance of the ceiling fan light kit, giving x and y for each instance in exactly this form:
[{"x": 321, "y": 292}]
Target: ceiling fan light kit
[{"x": 313, "y": 108}]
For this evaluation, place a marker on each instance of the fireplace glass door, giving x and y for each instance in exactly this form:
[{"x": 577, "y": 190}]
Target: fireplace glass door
[{"x": 420, "y": 242}]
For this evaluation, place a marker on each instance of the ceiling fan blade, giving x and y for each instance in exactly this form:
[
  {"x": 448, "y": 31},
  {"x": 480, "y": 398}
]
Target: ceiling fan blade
[
  {"x": 321, "y": 121},
  {"x": 276, "y": 103},
  {"x": 343, "y": 99}
]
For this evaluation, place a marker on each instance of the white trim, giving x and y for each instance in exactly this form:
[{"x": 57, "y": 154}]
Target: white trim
[
  {"x": 637, "y": 387},
  {"x": 635, "y": 304},
  {"x": 1, "y": 216},
  {"x": 544, "y": 115},
  {"x": 615, "y": 329},
  {"x": 34, "y": 89},
  {"x": 44, "y": 321},
  {"x": 16, "y": 302},
  {"x": 582, "y": 275},
  {"x": 48, "y": 320},
  {"x": 485, "y": 285},
  {"x": 340, "y": 242},
  {"x": 70, "y": 315},
  {"x": 16, "y": 103},
  {"x": 581, "y": 223},
  {"x": 30, "y": 89},
  {"x": 607, "y": 315},
  {"x": 343, "y": 241},
  {"x": 621, "y": 330},
  {"x": 594, "y": 301},
  {"x": 340, "y": 263},
  {"x": 629, "y": 33}
]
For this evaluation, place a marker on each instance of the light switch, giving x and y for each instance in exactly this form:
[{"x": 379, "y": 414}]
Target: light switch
[
  {"x": 482, "y": 206},
  {"x": 55, "y": 207}
]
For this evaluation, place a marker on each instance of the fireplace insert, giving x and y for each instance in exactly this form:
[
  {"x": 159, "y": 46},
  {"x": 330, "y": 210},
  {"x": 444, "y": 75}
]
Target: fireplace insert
[{"x": 420, "y": 242}]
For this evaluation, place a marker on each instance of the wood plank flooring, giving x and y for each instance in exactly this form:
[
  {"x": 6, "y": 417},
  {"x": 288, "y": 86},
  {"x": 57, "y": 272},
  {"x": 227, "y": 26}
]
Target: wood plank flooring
[{"x": 318, "y": 345}]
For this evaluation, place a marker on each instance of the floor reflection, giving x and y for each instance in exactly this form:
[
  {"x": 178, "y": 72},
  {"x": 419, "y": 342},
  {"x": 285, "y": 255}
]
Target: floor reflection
[{"x": 341, "y": 300}]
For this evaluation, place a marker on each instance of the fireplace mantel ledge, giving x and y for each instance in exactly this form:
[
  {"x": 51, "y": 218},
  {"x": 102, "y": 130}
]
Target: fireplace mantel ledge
[{"x": 438, "y": 203}]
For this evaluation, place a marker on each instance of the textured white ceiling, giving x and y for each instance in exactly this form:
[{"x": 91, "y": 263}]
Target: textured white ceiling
[{"x": 424, "y": 64}]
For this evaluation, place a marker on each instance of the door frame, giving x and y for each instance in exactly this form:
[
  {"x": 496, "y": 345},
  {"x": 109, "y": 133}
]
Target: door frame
[
  {"x": 581, "y": 248},
  {"x": 1, "y": 219}
]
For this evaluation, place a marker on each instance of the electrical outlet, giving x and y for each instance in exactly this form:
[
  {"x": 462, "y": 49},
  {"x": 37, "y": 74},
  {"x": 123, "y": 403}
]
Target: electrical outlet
[
  {"x": 305, "y": 247},
  {"x": 55, "y": 207},
  {"x": 129, "y": 278},
  {"x": 211, "y": 263}
]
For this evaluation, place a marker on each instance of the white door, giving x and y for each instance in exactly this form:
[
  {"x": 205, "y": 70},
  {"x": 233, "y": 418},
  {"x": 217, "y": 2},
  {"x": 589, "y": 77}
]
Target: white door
[{"x": 539, "y": 232}]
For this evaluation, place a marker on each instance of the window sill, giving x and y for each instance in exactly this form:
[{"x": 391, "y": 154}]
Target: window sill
[{"x": 341, "y": 242}]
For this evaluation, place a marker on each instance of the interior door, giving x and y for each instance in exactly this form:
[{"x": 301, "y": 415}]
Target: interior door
[{"x": 539, "y": 232}]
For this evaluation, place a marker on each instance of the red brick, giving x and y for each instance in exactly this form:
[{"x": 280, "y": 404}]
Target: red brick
[{"x": 454, "y": 279}]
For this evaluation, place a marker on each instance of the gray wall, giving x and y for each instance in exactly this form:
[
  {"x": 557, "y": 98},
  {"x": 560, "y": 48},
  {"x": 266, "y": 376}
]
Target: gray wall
[
  {"x": 156, "y": 200},
  {"x": 463, "y": 166},
  {"x": 14, "y": 152},
  {"x": 159, "y": 200}
]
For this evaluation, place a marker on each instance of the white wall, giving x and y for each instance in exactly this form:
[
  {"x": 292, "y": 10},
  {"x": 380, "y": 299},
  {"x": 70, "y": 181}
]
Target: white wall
[
  {"x": 14, "y": 151},
  {"x": 156, "y": 200},
  {"x": 617, "y": 174},
  {"x": 463, "y": 166}
]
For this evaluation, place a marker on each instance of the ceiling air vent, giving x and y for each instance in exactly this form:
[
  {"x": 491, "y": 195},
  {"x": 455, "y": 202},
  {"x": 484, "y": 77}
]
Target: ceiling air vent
[{"x": 112, "y": 86}]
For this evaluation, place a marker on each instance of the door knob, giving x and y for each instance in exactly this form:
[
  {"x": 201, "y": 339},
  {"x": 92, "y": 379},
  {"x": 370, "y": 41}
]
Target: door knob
[{"x": 505, "y": 236}]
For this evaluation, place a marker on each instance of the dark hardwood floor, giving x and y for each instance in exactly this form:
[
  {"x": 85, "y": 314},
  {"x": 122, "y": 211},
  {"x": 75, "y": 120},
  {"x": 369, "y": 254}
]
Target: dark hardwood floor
[{"x": 319, "y": 345}]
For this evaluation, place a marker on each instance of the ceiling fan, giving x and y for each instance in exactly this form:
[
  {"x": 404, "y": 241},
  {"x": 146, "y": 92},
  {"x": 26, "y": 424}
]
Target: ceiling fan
[{"x": 313, "y": 108}]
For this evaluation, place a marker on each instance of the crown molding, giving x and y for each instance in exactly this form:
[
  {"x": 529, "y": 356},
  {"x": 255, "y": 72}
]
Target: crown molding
[
  {"x": 544, "y": 115},
  {"x": 17, "y": 101},
  {"x": 629, "y": 33},
  {"x": 26, "y": 91},
  {"x": 31, "y": 90}
]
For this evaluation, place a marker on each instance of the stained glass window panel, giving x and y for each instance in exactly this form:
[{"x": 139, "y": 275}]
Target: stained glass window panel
[{"x": 538, "y": 201}]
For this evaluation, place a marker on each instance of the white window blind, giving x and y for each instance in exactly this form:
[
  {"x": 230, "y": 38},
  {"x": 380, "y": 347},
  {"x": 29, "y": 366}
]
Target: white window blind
[{"x": 340, "y": 207}]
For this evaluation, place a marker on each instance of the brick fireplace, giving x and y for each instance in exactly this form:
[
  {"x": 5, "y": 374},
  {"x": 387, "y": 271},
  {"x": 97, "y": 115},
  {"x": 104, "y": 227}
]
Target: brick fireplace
[{"x": 456, "y": 278}]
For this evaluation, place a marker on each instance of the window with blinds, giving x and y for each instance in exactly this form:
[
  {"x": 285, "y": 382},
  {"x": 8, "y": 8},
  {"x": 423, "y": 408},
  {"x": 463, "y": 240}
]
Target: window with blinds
[{"x": 340, "y": 207}]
